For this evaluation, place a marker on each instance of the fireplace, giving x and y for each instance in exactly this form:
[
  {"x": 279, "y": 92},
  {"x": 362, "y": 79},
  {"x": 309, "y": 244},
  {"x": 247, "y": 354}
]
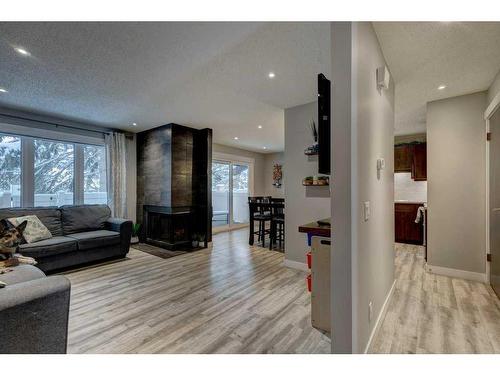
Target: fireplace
[
  {"x": 168, "y": 227},
  {"x": 174, "y": 200}
]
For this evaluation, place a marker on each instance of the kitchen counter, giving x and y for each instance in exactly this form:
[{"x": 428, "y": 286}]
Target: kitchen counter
[
  {"x": 314, "y": 229},
  {"x": 409, "y": 202}
]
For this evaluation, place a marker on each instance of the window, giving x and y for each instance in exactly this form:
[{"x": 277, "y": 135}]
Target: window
[
  {"x": 94, "y": 175},
  {"x": 44, "y": 172},
  {"x": 10, "y": 171},
  {"x": 220, "y": 193},
  {"x": 54, "y": 173}
]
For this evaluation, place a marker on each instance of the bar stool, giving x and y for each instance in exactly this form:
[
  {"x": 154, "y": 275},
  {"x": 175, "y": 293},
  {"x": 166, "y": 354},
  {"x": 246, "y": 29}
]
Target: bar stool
[
  {"x": 262, "y": 216},
  {"x": 277, "y": 223}
]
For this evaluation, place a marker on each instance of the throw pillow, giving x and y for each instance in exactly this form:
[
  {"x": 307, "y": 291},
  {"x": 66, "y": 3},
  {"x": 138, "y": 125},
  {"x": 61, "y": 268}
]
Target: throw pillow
[{"x": 35, "y": 230}]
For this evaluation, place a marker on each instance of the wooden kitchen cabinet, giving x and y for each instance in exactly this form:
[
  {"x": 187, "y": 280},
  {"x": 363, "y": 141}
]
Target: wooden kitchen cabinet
[
  {"x": 403, "y": 158},
  {"x": 419, "y": 162},
  {"x": 411, "y": 158},
  {"x": 405, "y": 228}
]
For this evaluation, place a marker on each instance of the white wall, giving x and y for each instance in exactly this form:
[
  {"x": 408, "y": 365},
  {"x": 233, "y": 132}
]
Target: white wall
[
  {"x": 303, "y": 204},
  {"x": 407, "y": 189},
  {"x": 269, "y": 161},
  {"x": 456, "y": 175},
  {"x": 494, "y": 88},
  {"x": 363, "y": 131}
]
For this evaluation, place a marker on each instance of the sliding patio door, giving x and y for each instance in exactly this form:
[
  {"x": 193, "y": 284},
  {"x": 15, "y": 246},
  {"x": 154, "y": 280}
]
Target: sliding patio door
[{"x": 231, "y": 187}]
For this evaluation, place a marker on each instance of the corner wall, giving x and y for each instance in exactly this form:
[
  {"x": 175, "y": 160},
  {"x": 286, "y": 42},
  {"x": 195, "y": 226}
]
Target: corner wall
[
  {"x": 303, "y": 204},
  {"x": 363, "y": 131},
  {"x": 456, "y": 176},
  {"x": 494, "y": 88}
]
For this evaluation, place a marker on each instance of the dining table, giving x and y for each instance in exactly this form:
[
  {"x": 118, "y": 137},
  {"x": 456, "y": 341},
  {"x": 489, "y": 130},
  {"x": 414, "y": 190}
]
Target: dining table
[{"x": 257, "y": 207}]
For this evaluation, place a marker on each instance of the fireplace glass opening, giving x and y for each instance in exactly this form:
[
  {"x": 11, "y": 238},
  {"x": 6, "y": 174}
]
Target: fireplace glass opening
[{"x": 171, "y": 230}]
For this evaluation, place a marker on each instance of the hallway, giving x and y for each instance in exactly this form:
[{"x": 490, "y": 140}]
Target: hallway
[{"x": 437, "y": 314}]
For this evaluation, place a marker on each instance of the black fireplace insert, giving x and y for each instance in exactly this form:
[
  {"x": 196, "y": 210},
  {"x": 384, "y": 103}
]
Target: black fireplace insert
[{"x": 168, "y": 227}]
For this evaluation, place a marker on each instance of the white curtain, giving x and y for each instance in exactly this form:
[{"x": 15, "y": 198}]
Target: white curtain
[{"x": 117, "y": 174}]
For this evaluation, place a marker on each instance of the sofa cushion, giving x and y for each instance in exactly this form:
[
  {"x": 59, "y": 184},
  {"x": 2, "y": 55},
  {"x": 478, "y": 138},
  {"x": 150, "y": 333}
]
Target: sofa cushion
[
  {"x": 95, "y": 239},
  {"x": 35, "y": 230},
  {"x": 84, "y": 218},
  {"x": 52, "y": 246},
  {"x": 21, "y": 274},
  {"x": 49, "y": 216}
]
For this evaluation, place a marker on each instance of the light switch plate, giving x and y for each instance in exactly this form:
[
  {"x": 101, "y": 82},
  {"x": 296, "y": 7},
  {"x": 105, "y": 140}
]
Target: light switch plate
[
  {"x": 366, "y": 210},
  {"x": 380, "y": 164}
]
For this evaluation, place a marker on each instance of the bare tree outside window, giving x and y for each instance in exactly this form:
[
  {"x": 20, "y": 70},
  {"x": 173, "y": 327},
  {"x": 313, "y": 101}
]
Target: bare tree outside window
[
  {"x": 54, "y": 173},
  {"x": 10, "y": 171}
]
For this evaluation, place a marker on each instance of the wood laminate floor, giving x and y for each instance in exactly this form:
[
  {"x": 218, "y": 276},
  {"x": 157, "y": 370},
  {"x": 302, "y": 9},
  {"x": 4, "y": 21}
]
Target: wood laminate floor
[
  {"x": 231, "y": 298},
  {"x": 234, "y": 298},
  {"x": 437, "y": 314}
]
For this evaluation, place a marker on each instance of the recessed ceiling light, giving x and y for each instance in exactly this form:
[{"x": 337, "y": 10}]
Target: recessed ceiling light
[
  {"x": 236, "y": 138},
  {"x": 271, "y": 75},
  {"x": 260, "y": 126},
  {"x": 134, "y": 124},
  {"x": 441, "y": 87},
  {"x": 22, "y": 51},
  {"x": 3, "y": 90}
]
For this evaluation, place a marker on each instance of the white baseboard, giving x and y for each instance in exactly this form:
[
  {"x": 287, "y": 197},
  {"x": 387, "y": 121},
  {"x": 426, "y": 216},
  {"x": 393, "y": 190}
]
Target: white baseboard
[
  {"x": 461, "y": 274},
  {"x": 295, "y": 265},
  {"x": 380, "y": 317}
]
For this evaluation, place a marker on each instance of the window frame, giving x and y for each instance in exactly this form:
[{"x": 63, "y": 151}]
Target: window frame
[{"x": 27, "y": 198}]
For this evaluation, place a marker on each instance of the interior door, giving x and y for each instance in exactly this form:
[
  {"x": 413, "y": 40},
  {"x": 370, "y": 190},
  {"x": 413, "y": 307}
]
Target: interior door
[{"x": 494, "y": 187}]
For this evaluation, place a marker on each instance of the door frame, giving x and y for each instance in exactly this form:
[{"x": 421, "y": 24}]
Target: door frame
[
  {"x": 488, "y": 113},
  {"x": 234, "y": 159}
]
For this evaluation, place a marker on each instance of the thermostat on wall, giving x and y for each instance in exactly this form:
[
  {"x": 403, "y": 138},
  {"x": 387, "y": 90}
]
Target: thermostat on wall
[{"x": 383, "y": 77}]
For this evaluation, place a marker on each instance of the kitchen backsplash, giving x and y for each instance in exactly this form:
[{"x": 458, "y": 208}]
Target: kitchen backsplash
[{"x": 406, "y": 189}]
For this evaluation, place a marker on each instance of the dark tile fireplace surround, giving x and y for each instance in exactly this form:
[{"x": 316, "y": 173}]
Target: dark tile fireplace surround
[{"x": 174, "y": 185}]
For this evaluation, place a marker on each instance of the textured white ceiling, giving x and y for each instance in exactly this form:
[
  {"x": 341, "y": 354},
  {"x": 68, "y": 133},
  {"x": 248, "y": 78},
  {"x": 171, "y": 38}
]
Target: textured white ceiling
[
  {"x": 196, "y": 74},
  {"x": 465, "y": 56}
]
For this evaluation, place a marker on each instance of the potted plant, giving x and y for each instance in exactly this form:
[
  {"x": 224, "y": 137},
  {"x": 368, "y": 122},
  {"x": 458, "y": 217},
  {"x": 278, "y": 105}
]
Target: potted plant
[
  {"x": 201, "y": 240},
  {"x": 194, "y": 241},
  {"x": 135, "y": 233}
]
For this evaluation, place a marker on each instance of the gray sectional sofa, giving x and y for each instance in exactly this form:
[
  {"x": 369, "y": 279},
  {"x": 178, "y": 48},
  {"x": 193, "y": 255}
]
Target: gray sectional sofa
[
  {"x": 34, "y": 312},
  {"x": 80, "y": 234},
  {"x": 34, "y": 309}
]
